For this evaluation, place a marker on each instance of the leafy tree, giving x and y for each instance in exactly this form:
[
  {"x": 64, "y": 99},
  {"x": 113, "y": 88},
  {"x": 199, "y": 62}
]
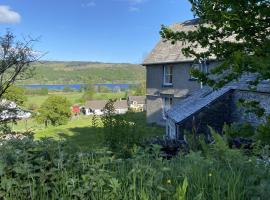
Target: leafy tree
[
  {"x": 89, "y": 92},
  {"x": 67, "y": 89},
  {"x": 120, "y": 134},
  {"x": 15, "y": 94},
  {"x": 15, "y": 60},
  {"x": 55, "y": 111},
  {"x": 236, "y": 33},
  {"x": 141, "y": 89}
]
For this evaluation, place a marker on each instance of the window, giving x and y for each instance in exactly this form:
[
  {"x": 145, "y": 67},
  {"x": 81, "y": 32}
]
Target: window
[
  {"x": 195, "y": 66},
  {"x": 167, "y": 75},
  {"x": 203, "y": 67}
]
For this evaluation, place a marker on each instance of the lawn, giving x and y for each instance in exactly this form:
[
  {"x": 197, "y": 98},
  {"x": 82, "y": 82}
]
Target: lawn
[
  {"x": 80, "y": 131},
  {"x": 73, "y": 97}
]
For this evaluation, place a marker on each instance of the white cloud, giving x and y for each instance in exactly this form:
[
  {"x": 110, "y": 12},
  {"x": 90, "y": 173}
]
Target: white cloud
[
  {"x": 89, "y": 4},
  {"x": 8, "y": 16}
]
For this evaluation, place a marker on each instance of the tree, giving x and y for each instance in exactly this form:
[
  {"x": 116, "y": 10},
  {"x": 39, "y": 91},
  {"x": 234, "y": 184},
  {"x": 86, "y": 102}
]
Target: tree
[
  {"x": 55, "y": 111},
  {"x": 89, "y": 92},
  {"x": 141, "y": 89},
  {"x": 15, "y": 94},
  {"x": 67, "y": 89},
  {"x": 15, "y": 60},
  {"x": 235, "y": 33}
]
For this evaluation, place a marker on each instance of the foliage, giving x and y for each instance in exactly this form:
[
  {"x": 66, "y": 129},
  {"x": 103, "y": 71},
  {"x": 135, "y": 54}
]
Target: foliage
[
  {"x": 32, "y": 107},
  {"x": 141, "y": 89},
  {"x": 238, "y": 130},
  {"x": 15, "y": 94},
  {"x": 235, "y": 33},
  {"x": 55, "y": 111},
  {"x": 262, "y": 132},
  {"x": 37, "y": 91},
  {"x": 5, "y": 128},
  {"x": 67, "y": 89},
  {"x": 104, "y": 89},
  {"x": 89, "y": 92},
  {"x": 120, "y": 134},
  {"x": 15, "y": 60},
  {"x": 52, "y": 170},
  {"x": 74, "y": 73},
  {"x": 252, "y": 107}
]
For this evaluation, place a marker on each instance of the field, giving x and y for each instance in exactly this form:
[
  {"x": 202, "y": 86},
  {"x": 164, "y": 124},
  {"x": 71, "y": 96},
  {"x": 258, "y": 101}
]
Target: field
[
  {"x": 80, "y": 131},
  {"x": 83, "y": 72},
  {"x": 73, "y": 97}
]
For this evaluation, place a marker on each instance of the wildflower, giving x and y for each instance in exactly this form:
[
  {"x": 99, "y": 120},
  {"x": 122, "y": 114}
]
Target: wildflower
[
  {"x": 249, "y": 160},
  {"x": 210, "y": 174},
  {"x": 169, "y": 181}
]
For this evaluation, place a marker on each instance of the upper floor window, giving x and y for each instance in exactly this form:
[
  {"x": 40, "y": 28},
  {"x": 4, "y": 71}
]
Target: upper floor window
[
  {"x": 167, "y": 74},
  {"x": 195, "y": 66}
]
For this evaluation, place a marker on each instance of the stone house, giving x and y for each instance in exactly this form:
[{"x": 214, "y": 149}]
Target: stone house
[
  {"x": 168, "y": 77},
  {"x": 137, "y": 103},
  {"x": 176, "y": 100}
]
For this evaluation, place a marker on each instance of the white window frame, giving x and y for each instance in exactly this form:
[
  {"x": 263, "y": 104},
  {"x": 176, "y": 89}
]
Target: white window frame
[
  {"x": 170, "y": 74},
  {"x": 195, "y": 66}
]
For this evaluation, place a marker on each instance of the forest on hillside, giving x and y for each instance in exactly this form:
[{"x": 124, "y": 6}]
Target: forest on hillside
[{"x": 83, "y": 72}]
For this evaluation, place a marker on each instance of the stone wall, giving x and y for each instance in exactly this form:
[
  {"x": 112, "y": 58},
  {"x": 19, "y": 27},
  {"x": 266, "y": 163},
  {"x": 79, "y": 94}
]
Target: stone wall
[
  {"x": 225, "y": 110},
  {"x": 214, "y": 115},
  {"x": 238, "y": 113}
]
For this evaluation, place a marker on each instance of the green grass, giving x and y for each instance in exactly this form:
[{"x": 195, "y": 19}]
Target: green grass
[
  {"x": 80, "y": 131},
  {"x": 73, "y": 97}
]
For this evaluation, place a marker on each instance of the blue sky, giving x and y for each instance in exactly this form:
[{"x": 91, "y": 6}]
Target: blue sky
[{"x": 92, "y": 30}]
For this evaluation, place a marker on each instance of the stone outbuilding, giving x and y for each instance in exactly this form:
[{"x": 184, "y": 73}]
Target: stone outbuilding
[{"x": 208, "y": 107}]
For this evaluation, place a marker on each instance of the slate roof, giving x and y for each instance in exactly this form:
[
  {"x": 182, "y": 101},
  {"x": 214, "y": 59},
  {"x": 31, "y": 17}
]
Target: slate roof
[
  {"x": 100, "y": 104},
  {"x": 138, "y": 99},
  {"x": 204, "y": 97},
  {"x": 165, "y": 52}
]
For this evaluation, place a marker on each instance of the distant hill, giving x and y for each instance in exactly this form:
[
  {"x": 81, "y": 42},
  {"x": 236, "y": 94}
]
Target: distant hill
[{"x": 57, "y": 72}]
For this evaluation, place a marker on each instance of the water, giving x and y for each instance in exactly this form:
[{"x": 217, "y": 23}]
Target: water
[{"x": 111, "y": 86}]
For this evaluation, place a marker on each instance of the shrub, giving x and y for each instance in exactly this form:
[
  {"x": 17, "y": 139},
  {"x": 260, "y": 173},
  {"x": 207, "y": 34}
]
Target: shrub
[
  {"x": 55, "y": 111},
  {"x": 51, "y": 170},
  {"x": 120, "y": 135}
]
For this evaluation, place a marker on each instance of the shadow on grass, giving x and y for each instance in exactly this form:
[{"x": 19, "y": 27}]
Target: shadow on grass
[
  {"x": 84, "y": 138},
  {"x": 89, "y": 137}
]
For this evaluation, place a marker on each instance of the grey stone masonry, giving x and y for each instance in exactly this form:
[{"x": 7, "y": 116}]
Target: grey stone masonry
[{"x": 214, "y": 108}]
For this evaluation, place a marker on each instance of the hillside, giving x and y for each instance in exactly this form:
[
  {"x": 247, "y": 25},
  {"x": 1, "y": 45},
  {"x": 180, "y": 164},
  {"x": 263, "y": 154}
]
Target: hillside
[{"x": 82, "y": 72}]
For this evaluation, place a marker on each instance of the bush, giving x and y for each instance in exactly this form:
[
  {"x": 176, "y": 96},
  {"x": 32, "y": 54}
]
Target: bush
[
  {"x": 50, "y": 170},
  {"x": 120, "y": 134},
  {"x": 55, "y": 111}
]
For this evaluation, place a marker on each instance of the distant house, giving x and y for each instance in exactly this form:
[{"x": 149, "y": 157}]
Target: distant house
[
  {"x": 76, "y": 110},
  {"x": 137, "y": 103},
  {"x": 97, "y": 107},
  {"x": 10, "y": 111}
]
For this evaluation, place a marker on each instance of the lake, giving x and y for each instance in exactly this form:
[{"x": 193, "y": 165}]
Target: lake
[{"x": 112, "y": 86}]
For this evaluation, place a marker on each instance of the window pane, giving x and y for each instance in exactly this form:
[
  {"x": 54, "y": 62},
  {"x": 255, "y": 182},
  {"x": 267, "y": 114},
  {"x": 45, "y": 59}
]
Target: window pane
[{"x": 168, "y": 74}]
